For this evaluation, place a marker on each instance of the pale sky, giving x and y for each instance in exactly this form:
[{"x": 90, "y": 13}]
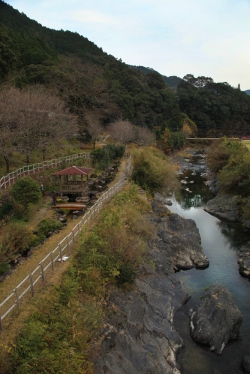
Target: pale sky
[{"x": 174, "y": 37}]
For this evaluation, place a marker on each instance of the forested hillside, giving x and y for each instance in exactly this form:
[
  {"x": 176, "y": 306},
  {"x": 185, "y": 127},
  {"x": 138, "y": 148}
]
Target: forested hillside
[
  {"x": 98, "y": 88},
  {"x": 171, "y": 82}
]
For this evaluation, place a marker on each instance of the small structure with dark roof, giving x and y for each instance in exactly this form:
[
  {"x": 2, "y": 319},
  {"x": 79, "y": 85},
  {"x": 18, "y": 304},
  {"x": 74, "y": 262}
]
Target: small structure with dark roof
[{"x": 72, "y": 180}]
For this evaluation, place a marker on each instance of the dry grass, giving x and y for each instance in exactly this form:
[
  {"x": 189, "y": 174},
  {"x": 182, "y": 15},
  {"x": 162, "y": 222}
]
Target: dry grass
[{"x": 13, "y": 323}]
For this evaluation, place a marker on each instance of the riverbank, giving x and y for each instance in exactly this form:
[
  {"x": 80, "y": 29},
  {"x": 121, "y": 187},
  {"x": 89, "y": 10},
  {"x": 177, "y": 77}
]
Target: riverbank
[
  {"x": 139, "y": 336},
  {"x": 220, "y": 239}
]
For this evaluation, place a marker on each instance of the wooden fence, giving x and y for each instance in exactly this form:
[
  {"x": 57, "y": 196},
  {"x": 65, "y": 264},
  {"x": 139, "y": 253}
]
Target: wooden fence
[
  {"x": 54, "y": 258},
  {"x": 10, "y": 178}
]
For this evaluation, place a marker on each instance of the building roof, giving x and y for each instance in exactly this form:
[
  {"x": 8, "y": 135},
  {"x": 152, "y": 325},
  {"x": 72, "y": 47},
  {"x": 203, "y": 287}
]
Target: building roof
[
  {"x": 246, "y": 137},
  {"x": 74, "y": 170}
]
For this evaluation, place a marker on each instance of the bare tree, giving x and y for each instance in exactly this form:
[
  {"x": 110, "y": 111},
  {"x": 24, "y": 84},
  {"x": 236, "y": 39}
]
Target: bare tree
[
  {"x": 143, "y": 136},
  {"x": 122, "y": 131},
  {"x": 9, "y": 130},
  {"x": 32, "y": 119},
  {"x": 95, "y": 130}
]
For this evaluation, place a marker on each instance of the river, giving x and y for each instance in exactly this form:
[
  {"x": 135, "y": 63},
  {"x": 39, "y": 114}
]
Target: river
[{"x": 220, "y": 241}]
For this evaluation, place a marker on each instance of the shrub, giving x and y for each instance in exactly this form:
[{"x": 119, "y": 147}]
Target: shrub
[
  {"x": 102, "y": 157},
  {"x": 17, "y": 239},
  {"x": 221, "y": 151},
  {"x": 6, "y": 209},
  {"x": 127, "y": 274},
  {"x": 48, "y": 225},
  {"x": 151, "y": 170},
  {"x": 26, "y": 191},
  {"x": 4, "y": 267}
]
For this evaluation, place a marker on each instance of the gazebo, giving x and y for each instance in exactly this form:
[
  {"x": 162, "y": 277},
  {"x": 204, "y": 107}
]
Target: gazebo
[{"x": 72, "y": 180}]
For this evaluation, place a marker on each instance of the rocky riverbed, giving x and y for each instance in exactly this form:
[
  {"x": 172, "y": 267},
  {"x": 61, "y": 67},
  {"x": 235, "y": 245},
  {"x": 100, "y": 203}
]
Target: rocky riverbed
[{"x": 139, "y": 335}]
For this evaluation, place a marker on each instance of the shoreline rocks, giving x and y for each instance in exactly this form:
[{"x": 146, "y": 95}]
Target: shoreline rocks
[
  {"x": 178, "y": 241},
  {"x": 139, "y": 335},
  {"x": 225, "y": 207},
  {"x": 244, "y": 261},
  {"x": 216, "y": 319}
]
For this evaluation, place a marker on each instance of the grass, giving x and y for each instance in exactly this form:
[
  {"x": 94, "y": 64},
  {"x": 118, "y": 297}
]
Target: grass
[{"x": 67, "y": 314}]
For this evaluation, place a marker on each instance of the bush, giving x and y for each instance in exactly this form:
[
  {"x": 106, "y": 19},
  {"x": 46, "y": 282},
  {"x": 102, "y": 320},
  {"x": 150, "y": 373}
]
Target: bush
[
  {"x": 48, "y": 225},
  {"x": 151, "y": 170},
  {"x": 26, "y": 191},
  {"x": 127, "y": 274},
  {"x": 16, "y": 240},
  {"x": 221, "y": 151},
  {"x": 4, "y": 267},
  {"x": 6, "y": 209},
  {"x": 102, "y": 157}
]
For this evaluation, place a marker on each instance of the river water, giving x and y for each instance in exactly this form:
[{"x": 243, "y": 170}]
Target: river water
[{"x": 220, "y": 241}]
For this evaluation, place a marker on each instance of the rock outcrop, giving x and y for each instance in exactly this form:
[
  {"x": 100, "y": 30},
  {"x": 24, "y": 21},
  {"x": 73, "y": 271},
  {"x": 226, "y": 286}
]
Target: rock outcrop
[
  {"x": 224, "y": 206},
  {"x": 178, "y": 241},
  {"x": 244, "y": 261},
  {"x": 216, "y": 320},
  {"x": 139, "y": 336}
]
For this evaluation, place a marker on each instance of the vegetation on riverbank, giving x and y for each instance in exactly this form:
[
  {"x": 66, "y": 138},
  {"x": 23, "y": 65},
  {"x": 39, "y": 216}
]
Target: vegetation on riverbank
[
  {"x": 230, "y": 161},
  {"x": 60, "y": 334},
  {"x": 57, "y": 336},
  {"x": 152, "y": 171}
]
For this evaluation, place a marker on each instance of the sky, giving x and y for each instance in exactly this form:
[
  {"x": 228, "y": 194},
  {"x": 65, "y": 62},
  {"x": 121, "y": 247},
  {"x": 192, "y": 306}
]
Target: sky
[{"x": 174, "y": 37}]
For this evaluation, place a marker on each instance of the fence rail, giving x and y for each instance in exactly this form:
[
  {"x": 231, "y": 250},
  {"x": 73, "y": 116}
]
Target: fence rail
[
  {"x": 52, "y": 260},
  {"x": 10, "y": 178}
]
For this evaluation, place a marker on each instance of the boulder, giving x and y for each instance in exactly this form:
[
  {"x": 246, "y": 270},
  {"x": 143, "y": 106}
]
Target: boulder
[
  {"x": 216, "y": 319},
  {"x": 139, "y": 336},
  {"x": 178, "y": 241},
  {"x": 244, "y": 261},
  {"x": 224, "y": 206}
]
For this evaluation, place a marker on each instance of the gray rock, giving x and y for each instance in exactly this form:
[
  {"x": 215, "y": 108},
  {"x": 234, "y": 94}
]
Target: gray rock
[
  {"x": 216, "y": 320},
  {"x": 246, "y": 364},
  {"x": 244, "y": 261},
  {"x": 224, "y": 206},
  {"x": 178, "y": 243},
  {"x": 140, "y": 337}
]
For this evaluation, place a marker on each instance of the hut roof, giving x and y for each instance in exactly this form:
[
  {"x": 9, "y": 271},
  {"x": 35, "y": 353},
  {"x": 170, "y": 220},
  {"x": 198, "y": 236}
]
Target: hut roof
[{"x": 74, "y": 170}]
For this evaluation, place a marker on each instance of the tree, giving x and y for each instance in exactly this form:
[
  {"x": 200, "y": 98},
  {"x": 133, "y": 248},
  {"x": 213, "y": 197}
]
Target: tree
[
  {"x": 189, "y": 128},
  {"x": 122, "y": 131},
  {"x": 143, "y": 136},
  {"x": 26, "y": 191},
  {"x": 32, "y": 119},
  {"x": 43, "y": 120},
  {"x": 95, "y": 130},
  {"x": 9, "y": 130}
]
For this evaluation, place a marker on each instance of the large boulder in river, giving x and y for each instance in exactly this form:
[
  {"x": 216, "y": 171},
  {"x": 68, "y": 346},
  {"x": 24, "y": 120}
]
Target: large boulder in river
[
  {"x": 224, "y": 206},
  {"x": 216, "y": 320},
  {"x": 178, "y": 242}
]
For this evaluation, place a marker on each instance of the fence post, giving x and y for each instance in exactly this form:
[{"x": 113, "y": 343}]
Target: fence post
[
  {"x": 73, "y": 236},
  {"x": 60, "y": 251},
  {"x": 68, "y": 245},
  {"x": 31, "y": 285},
  {"x": 52, "y": 261},
  {"x": 17, "y": 298},
  {"x": 43, "y": 278}
]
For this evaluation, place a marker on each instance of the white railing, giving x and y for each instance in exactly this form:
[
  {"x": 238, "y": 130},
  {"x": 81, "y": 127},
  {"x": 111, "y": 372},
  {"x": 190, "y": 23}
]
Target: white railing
[
  {"x": 52, "y": 260},
  {"x": 10, "y": 178}
]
